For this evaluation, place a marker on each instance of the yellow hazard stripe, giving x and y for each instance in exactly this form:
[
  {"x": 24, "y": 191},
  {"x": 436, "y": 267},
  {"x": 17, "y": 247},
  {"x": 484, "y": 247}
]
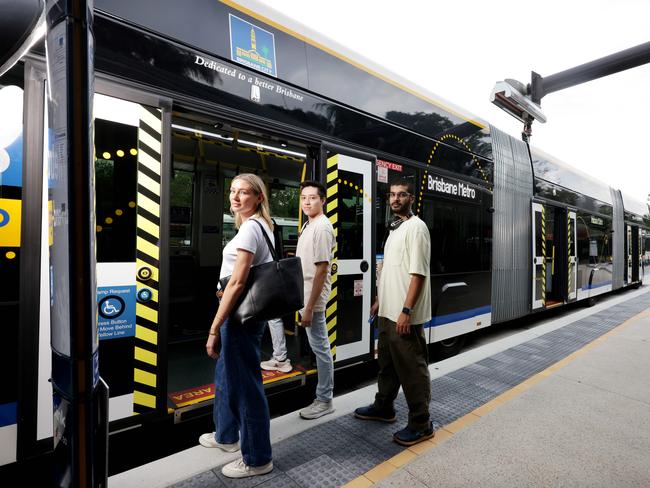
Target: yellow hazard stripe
[
  {"x": 148, "y": 226},
  {"x": 144, "y": 377},
  {"x": 141, "y": 398},
  {"x": 151, "y": 316},
  {"x": 148, "y": 248},
  {"x": 147, "y": 313},
  {"x": 332, "y": 213},
  {"x": 149, "y": 184},
  {"x": 146, "y": 356},
  {"x": 148, "y": 204}
]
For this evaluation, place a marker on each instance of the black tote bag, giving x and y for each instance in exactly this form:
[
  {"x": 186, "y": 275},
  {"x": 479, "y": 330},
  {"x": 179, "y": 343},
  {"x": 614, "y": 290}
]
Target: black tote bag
[{"x": 272, "y": 289}]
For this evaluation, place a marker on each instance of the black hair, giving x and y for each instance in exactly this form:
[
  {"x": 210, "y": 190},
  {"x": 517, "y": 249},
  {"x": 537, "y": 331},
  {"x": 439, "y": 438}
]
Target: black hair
[
  {"x": 316, "y": 184},
  {"x": 403, "y": 181}
]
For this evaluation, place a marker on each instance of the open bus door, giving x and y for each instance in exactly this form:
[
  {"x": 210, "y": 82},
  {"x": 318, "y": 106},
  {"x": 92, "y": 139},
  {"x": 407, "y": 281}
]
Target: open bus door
[
  {"x": 539, "y": 256},
  {"x": 350, "y": 183}
]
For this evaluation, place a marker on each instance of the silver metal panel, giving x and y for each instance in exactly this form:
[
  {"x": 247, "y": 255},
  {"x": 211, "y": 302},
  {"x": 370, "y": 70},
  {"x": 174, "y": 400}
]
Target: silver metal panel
[
  {"x": 618, "y": 240},
  {"x": 512, "y": 228}
]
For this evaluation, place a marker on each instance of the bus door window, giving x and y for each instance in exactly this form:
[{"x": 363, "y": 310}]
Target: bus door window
[{"x": 116, "y": 174}]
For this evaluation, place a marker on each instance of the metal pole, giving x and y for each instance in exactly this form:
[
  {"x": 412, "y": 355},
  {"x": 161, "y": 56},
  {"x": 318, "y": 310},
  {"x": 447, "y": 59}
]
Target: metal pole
[
  {"x": 79, "y": 408},
  {"x": 614, "y": 63}
]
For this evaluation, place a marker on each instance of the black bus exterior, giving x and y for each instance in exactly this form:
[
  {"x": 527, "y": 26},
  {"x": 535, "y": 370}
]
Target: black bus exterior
[{"x": 190, "y": 94}]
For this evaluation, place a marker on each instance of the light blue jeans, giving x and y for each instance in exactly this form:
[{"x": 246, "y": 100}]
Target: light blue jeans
[
  {"x": 276, "y": 328},
  {"x": 320, "y": 345}
]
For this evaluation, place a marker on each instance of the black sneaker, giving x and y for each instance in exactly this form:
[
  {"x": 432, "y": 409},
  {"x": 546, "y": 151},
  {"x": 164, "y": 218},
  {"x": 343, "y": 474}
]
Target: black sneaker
[
  {"x": 408, "y": 437},
  {"x": 372, "y": 413}
]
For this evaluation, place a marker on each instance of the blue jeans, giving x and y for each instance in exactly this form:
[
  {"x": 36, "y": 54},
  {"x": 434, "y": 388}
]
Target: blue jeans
[
  {"x": 320, "y": 345},
  {"x": 240, "y": 405}
]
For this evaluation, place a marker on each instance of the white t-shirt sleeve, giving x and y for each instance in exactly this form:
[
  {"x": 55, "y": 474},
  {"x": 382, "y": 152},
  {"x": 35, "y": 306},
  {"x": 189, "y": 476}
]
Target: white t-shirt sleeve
[
  {"x": 323, "y": 243},
  {"x": 249, "y": 237},
  {"x": 419, "y": 245}
]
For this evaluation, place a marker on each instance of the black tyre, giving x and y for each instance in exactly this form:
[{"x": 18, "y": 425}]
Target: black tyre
[{"x": 447, "y": 348}]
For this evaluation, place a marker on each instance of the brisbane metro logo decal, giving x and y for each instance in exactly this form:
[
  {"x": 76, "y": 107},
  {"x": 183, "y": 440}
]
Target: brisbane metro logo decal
[{"x": 252, "y": 46}]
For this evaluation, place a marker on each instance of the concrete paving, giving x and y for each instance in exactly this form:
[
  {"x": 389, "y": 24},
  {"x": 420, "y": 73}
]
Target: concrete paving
[{"x": 586, "y": 424}]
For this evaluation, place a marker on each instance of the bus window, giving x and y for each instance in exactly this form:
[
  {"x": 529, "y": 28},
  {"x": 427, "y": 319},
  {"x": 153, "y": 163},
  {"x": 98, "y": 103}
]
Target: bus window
[
  {"x": 115, "y": 182},
  {"x": 457, "y": 237},
  {"x": 180, "y": 215}
]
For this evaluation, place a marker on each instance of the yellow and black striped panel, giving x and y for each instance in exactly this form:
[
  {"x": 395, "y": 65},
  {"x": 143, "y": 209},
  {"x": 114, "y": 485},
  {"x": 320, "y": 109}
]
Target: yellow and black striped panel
[
  {"x": 333, "y": 216},
  {"x": 145, "y": 374},
  {"x": 543, "y": 256},
  {"x": 569, "y": 244}
]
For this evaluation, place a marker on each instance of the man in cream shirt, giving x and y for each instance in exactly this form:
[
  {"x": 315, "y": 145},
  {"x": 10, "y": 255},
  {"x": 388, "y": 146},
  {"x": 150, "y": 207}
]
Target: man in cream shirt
[{"x": 404, "y": 305}]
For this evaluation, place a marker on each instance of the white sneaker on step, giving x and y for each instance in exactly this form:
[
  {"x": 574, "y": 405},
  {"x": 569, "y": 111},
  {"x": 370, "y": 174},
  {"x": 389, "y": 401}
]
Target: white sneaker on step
[
  {"x": 317, "y": 409},
  {"x": 239, "y": 469},
  {"x": 273, "y": 365},
  {"x": 208, "y": 440}
]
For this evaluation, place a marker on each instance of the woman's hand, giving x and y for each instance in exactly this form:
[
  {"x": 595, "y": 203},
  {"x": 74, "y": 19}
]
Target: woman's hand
[{"x": 212, "y": 345}]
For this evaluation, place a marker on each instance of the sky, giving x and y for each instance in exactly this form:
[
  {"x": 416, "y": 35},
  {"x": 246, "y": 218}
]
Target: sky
[{"x": 459, "y": 49}]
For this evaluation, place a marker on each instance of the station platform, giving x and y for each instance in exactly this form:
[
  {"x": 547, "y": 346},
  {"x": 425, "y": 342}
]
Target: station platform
[{"x": 566, "y": 403}]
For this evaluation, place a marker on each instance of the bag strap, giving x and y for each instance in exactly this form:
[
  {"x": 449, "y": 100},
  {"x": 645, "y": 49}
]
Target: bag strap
[{"x": 268, "y": 241}]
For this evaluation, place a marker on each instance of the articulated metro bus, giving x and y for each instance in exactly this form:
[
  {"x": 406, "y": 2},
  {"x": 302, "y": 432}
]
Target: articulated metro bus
[{"x": 188, "y": 95}]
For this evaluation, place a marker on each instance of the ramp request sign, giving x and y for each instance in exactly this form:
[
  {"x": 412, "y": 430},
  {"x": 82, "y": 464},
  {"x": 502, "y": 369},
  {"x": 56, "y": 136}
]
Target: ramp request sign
[{"x": 116, "y": 312}]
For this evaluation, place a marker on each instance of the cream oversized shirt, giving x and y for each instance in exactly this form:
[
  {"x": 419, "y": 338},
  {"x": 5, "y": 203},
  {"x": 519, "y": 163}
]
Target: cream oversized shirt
[
  {"x": 407, "y": 251},
  {"x": 316, "y": 245}
]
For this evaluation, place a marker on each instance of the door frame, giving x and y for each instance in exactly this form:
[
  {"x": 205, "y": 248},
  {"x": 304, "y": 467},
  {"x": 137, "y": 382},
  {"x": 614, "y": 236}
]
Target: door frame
[
  {"x": 538, "y": 208},
  {"x": 360, "y": 350},
  {"x": 572, "y": 258}
]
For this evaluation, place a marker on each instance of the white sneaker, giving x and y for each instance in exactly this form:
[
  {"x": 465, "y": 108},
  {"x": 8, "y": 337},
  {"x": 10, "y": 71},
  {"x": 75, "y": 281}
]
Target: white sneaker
[
  {"x": 273, "y": 365},
  {"x": 239, "y": 469},
  {"x": 316, "y": 409},
  {"x": 208, "y": 440}
]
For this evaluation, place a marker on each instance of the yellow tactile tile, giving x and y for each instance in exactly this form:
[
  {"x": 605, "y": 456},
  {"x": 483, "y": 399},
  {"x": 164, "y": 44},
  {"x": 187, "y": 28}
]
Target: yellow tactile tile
[
  {"x": 462, "y": 422},
  {"x": 380, "y": 472},
  {"x": 486, "y": 408},
  {"x": 403, "y": 457},
  {"x": 421, "y": 447},
  {"x": 360, "y": 482},
  {"x": 441, "y": 436}
]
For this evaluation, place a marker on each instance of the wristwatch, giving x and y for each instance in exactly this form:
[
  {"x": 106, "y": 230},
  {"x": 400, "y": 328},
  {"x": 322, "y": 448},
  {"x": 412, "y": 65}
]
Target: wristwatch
[{"x": 406, "y": 310}]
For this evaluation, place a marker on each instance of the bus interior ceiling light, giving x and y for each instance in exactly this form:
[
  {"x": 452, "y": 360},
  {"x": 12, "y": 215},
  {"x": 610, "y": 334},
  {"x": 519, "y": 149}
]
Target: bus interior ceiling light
[
  {"x": 509, "y": 95},
  {"x": 239, "y": 141}
]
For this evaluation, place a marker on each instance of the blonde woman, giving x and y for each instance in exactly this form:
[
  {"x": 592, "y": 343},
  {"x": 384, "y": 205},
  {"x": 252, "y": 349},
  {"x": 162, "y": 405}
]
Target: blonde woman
[{"x": 241, "y": 411}]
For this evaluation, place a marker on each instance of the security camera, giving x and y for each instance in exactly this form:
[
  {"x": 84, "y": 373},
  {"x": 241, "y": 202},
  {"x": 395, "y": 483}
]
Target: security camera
[{"x": 510, "y": 95}]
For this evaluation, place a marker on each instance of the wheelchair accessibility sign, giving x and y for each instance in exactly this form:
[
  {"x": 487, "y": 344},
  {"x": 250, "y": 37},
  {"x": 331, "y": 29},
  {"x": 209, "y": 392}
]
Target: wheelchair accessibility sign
[{"x": 116, "y": 312}]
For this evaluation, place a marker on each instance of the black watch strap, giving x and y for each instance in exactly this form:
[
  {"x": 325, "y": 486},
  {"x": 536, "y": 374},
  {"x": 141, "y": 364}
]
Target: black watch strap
[{"x": 406, "y": 310}]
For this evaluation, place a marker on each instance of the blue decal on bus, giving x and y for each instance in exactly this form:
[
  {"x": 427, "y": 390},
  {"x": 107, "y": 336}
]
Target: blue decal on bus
[
  {"x": 116, "y": 312},
  {"x": 8, "y": 413},
  {"x": 458, "y": 316}
]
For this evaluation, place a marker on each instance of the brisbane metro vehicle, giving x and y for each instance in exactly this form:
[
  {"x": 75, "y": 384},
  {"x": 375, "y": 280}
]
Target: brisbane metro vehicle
[{"x": 187, "y": 98}]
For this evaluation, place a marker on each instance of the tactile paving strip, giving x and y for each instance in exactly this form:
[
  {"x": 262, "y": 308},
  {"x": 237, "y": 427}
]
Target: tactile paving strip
[{"x": 331, "y": 454}]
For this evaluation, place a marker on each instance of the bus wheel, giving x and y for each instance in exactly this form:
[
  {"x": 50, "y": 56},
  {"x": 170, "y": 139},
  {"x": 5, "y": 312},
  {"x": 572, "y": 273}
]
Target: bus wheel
[
  {"x": 591, "y": 301},
  {"x": 447, "y": 348}
]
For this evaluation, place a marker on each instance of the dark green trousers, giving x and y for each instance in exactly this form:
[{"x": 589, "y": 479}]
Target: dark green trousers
[{"x": 403, "y": 360}]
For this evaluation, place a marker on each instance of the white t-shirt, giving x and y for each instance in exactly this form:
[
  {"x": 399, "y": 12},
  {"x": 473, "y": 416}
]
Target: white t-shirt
[
  {"x": 407, "y": 251},
  {"x": 249, "y": 238},
  {"x": 316, "y": 245}
]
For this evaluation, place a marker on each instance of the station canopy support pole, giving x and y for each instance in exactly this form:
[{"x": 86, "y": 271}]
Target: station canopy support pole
[{"x": 80, "y": 397}]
